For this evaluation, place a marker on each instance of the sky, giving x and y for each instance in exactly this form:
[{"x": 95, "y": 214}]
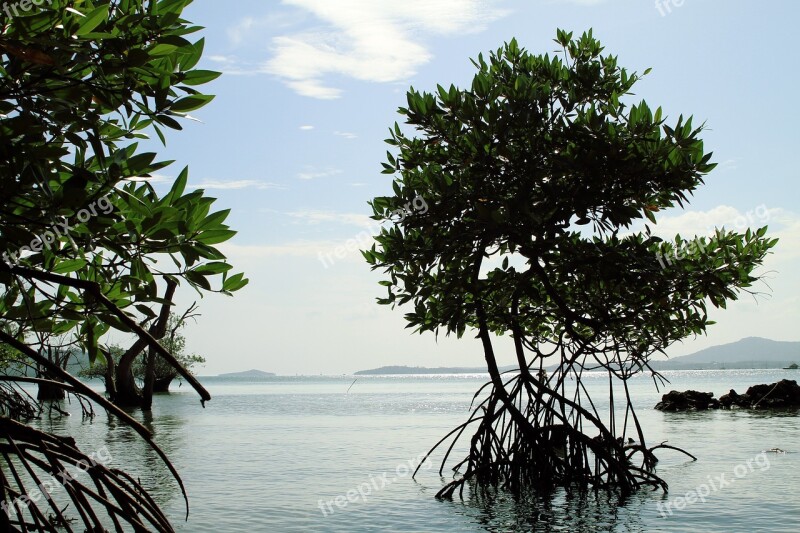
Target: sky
[{"x": 293, "y": 143}]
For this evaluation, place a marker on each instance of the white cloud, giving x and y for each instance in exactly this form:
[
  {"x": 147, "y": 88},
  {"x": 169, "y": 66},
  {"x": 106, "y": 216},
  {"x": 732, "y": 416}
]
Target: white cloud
[
  {"x": 307, "y": 127},
  {"x": 152, "y": 179},
  {"x": 311, "y": 174},
  {"x": 691, "y": 223},
  {"x": 232, "y": 65},
  {"x": 237, "y": 184},
  {"x": 579, "y": 2},
  {"x": 314, "y": 89},
  {"x": 312, "y": 216},
  {"x": 248, "y": 26},
  {"x": 238, "y": 32},
  {"x": 728, "y": 164},
  {"x": 376, "y": 41},
  {"x": 291, "y": 249},
  {"x": 345, "y": 134}
]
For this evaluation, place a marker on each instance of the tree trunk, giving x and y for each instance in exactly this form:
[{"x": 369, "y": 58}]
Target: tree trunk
[
  {"x": 149, "y": 379},
  {"x": 162, "y": 384},
  {"x": 48, "y": 392},
  {"x": 111, "y": 388},
  {"x": 128, "y": 394}
]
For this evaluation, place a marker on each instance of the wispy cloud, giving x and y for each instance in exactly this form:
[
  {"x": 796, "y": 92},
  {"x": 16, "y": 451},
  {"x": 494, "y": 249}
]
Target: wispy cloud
[
  {"x": 728, "y": 164},
  {"x": 313, "y": 217},
  {"x": 345, "y": 134},
  {"x": 290, "y": 249},
  {"x": 275, "y": 20},
  {"x": 153, "y": 178},
  {"x": 312, "y": 174},
  {"x": 691, "y": 223},
  {"x": 376, "y": 41},
  {"x": 580, "y": 2},
  {"x": 307, "y": 127},
  {"x": 232, "y": 65},
  {"x": 237, "y": 184}
]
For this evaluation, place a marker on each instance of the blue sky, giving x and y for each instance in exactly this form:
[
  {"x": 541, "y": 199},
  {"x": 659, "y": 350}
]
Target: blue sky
[{"x": 294, "y": 140}]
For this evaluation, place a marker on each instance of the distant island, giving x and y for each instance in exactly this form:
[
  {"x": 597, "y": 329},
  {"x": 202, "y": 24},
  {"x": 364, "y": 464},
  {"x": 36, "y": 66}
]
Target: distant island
[
  {"x": 750, "y": 352},
  {"x": 247, "y": 374}
]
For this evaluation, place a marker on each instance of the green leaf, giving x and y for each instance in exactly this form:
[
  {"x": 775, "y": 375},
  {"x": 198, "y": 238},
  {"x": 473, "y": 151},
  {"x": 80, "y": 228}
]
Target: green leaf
[
  {"x": 178, "y": 187},
  {"x": 209, "y": 269},
  {"x": 92, "y": 20},
  {"x": 199, "y": 77},
  {"x": 161, "y": 50},
  {"x": 214, "y": 219},
  {"x": 235, "y": 282},
  {"x": 190, "y": 103},
  {"x": 214, "y": 236},
  {"x": 191, "y": 59},
  {"x": 69, "y": 265}
]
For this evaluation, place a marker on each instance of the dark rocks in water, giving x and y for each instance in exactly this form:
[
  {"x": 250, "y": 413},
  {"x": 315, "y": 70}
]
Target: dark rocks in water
[
  {"x": 733, "y": 398},
  {"x": 785, "y": 393},
  {"x": 690, "y": 400}
]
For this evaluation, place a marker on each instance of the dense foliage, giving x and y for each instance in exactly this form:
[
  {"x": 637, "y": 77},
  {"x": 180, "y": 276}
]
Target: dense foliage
[{"x": 88, "y": 245}]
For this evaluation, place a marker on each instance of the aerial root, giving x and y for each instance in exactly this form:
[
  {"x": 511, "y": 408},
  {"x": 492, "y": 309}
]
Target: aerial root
[{"x": 533, "y": 439}]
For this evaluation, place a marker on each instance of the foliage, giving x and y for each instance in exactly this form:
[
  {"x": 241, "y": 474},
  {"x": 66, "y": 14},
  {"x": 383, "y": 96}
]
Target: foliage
[
  {"x": 85, "y": 239},
  {"x": 535, "y": 176}
]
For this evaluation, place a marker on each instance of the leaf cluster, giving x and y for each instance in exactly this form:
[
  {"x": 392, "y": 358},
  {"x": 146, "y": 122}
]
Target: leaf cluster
[{"x": 534, "y": 175}]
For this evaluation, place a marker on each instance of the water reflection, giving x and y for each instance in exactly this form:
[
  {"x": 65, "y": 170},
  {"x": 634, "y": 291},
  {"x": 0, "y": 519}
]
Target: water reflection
[
  {"x": 169, "y": 433},
  {"x": 128, "y": 450},
  {"x": 261, "y": 456},
  {"x": 574, "y": 511}
]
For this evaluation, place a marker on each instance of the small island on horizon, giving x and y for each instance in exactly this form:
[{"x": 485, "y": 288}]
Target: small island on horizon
[{"x": 252, "y": 373}]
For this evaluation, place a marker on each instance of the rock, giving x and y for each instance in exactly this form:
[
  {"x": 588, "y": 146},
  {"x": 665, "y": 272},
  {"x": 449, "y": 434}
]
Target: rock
[
  {"x": 731, "y": 400},
  {"x": 689, "y": 400},
  {"x": 785, "y": 393}
]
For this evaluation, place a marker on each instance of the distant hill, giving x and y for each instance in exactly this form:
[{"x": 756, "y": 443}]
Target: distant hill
[
  {"x": 247, "y": 374},
  {"x": 750, "y": 352}
]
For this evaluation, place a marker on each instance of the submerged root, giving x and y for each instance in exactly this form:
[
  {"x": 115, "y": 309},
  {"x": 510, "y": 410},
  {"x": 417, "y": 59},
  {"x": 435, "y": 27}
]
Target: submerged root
[
  {"x": 45, "y": 476},
  {"x": 534, "y": 438}
]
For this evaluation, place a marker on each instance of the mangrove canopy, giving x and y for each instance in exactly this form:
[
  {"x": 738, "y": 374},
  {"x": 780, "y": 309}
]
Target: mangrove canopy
[{"x": 544, "y": 183}]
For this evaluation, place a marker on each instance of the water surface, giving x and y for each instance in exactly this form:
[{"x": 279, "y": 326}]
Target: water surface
[{"x": 275, "y": 454}]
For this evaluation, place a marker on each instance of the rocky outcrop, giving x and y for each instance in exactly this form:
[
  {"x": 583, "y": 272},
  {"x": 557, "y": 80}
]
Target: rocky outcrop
[
  {"x": 690, "y": 400},
  {"x": 785, "y": 393}
]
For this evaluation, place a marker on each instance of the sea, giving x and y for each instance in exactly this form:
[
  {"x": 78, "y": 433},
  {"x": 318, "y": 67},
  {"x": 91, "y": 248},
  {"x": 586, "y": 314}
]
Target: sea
[{"x": 337, "y": 453}]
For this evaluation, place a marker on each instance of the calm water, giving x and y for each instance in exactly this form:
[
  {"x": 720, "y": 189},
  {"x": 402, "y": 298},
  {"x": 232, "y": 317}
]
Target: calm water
[{"x": 274, "y": 455}]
